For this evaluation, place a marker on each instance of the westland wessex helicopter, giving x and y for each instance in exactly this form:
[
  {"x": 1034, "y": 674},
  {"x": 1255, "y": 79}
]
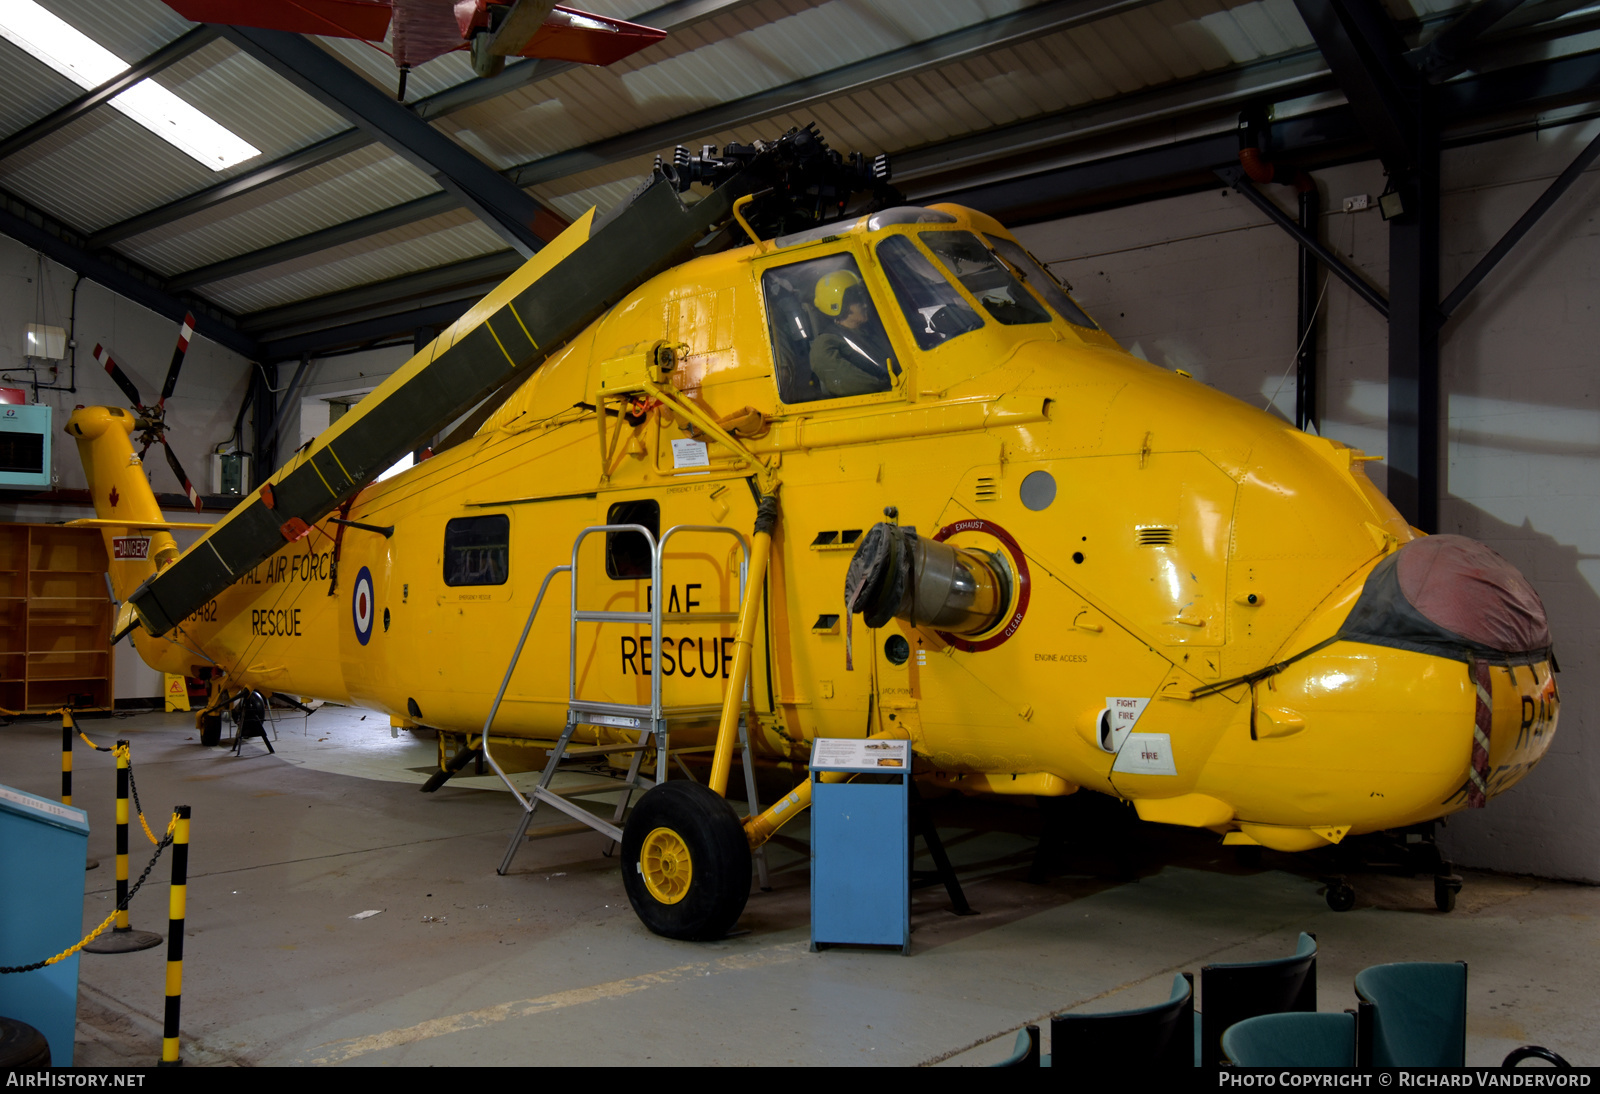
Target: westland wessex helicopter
[{"x": 730, "y": 427}]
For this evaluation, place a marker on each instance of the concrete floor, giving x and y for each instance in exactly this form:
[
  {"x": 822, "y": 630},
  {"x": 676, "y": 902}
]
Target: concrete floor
[{"x": 548, "y": 965}]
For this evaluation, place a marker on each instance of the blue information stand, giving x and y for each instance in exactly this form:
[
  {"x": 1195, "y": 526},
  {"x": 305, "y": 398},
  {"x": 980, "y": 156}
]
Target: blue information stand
[
  {"x": 861, "y": 845},
  {"x": 43, "y": 848}
]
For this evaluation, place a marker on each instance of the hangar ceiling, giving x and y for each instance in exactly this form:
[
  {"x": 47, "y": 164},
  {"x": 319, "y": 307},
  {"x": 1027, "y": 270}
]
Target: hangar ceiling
[{"x": 365, "y": 219}]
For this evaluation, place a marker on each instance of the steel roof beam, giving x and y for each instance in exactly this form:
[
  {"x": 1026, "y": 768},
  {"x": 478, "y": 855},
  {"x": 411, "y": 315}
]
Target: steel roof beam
[
  {"x": 313, "y": 155},
  {"x": 1442, "y": 57},
  {"x": 670, "y": 17},
  {"x": 457, "y": 291},
  {"x": 511, "y": 214},
  {"x": 1364, "y": 50},
  {"x": 312, "y": 242},
  {"x": 57, "y": 242},
  {"x": 333, "y": 305},
  {"x": 174, "y": 51},
  {"x": 366, "y": 330}
]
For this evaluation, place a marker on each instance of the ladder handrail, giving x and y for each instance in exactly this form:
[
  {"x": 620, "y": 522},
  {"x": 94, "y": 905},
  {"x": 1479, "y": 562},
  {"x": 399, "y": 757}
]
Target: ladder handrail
[
  {"x": 494, "y": 708},
  {"x": 655, "y": 611}
]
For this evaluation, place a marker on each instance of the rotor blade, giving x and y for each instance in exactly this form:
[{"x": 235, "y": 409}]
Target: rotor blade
[
  {"x": 184, "y": 334},
  {"x": 177, "y": 469},
  {"x": 116, "y": 373}
]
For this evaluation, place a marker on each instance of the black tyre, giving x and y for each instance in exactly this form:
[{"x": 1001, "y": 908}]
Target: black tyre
[
  {"x": 1341, "y": 898},
  {"x": 1444, "y": 893},
  {"x": 685, "y": 862},
  {"x": 22, "y": 1046},
  {"x": 211, "y": 730}
]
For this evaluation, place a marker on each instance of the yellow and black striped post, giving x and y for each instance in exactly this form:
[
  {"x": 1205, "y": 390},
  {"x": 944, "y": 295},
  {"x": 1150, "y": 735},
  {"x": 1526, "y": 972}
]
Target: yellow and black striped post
[
  {"x": 66, "y": 757},
  {"x": 179, "y": 902},
  {"x": 123, "y": 938}
]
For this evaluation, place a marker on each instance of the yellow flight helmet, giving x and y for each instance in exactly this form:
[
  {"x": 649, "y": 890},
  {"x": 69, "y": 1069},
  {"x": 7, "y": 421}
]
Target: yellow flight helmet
[{"x": 831, "y": 288}]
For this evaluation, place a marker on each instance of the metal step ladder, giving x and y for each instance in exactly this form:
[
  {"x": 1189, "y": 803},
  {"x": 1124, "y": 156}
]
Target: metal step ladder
[{"x": 651, "y": 720}]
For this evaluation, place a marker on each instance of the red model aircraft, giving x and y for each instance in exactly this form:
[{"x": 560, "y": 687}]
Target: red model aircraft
[{"x": 425, "y": 29}]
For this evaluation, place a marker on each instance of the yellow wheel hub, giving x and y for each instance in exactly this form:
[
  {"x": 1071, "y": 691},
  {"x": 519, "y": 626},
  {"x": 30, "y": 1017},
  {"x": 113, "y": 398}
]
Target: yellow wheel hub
[{"x": 664, "y": 862}]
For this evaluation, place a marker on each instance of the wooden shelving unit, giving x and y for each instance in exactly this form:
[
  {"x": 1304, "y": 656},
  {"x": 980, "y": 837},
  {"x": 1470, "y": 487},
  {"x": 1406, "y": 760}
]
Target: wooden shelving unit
[{"x": 55, "y": 618}]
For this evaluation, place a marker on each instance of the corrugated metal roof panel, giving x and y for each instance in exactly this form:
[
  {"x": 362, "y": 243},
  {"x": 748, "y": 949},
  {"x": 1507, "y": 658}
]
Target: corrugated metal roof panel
[
  {"x": 351, "y": 186},
  {"x": 131, "y": 29},
  {"x": 438, "y": 241},
  {"x": 101, "y": 169},
  {"x": 28, "y": 89}
]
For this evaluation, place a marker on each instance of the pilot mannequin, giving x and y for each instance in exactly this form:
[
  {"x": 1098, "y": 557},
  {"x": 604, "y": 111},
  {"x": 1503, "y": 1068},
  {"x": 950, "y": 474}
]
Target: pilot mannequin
[{"x": 851, "y": 356}]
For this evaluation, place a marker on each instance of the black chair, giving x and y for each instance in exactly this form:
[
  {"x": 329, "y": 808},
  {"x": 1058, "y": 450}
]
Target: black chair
[
  {"x": 1232, "y": 993},
  {"x": 1158, "y": 1036}
]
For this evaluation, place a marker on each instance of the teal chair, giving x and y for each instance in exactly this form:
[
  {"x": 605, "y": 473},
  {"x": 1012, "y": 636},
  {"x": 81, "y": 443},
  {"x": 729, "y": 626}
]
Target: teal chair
[
  {"x": 1414, "y": 1014},
  {"x": 1233, "y": 993},
  {"x": 1026, "y": 1051},
  {"x": 1418, "y": 1014},
  {"x": 1293, "y": 1039}
]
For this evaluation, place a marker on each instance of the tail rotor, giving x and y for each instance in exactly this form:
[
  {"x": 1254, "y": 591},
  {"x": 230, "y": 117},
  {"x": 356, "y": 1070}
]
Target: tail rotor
[{"x": 152, "y": 419}]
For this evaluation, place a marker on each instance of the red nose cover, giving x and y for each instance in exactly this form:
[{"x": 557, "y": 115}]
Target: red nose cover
[{"x": 1465, "y": 587}]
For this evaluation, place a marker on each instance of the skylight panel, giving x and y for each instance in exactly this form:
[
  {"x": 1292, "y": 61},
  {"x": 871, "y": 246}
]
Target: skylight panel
[{"x": 89, "y": 64}]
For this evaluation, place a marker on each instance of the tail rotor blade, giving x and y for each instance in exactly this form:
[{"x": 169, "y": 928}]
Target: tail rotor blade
[
  {"x": 177, "y": 469},
  {"x": 184, "y": 334},
  {"x": 104, "y": 357}
]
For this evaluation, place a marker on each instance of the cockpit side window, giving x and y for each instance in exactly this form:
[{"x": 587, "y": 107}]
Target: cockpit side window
[
  {"x": 827, "y": 339},
  {"x": 1040, "y": 280},
  {"x": 933, "y": 308},
  {"x": 985, "y": 277}
]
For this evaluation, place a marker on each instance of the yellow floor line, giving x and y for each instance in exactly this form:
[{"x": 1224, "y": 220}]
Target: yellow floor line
[{"x": 337, "y": 1052}]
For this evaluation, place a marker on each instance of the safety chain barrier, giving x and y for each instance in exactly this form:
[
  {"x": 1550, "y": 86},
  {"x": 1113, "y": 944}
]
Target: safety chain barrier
[
  {"x": 122, "y": 906},
  {"x": 126, "y": 756}
]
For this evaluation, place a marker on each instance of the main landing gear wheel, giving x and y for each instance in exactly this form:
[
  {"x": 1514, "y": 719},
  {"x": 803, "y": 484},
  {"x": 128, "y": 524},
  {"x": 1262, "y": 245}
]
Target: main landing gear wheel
[
  {"x": 685, "y": 862},
  {"x": 1340, "y": 896},
  {"x": 1445, "y": 888}
]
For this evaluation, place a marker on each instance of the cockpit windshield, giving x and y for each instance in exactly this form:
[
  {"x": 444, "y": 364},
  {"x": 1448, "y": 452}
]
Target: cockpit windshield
[
  {"x": 985, "y": 277},
  {"x": 934, "y": 310},
  {"x": 1040, "y": 281}
]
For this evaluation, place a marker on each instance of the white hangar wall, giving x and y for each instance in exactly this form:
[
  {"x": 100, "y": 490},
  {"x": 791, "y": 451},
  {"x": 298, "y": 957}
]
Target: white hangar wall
[
  {"x": 1206, "y": 283},
  {"x": 200, "y": 413}
]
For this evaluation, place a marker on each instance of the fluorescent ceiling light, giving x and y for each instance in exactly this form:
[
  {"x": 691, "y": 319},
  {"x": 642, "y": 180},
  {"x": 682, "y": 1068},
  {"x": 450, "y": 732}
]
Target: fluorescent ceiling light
[{"x": 88, "y": 64}]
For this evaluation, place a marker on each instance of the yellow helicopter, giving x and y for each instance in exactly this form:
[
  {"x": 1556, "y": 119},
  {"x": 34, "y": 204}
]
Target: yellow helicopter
[{"x": 732, "y": 426}]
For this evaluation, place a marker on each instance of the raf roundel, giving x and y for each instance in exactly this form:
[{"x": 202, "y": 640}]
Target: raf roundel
[{"x": 361, "y": 605}]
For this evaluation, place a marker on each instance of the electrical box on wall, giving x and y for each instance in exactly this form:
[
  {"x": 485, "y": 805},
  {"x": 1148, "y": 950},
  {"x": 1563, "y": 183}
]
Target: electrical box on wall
[
  {"x": 230, "y": 473},
  {"x": 25, "y": 446}
]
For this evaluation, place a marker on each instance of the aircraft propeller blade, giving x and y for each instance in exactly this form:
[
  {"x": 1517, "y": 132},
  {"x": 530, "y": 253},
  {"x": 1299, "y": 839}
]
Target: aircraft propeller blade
[
  {"x": 184, "y": 334},
  {"x": 177, "y": 469},
  {"x": 104, "y": 357}
]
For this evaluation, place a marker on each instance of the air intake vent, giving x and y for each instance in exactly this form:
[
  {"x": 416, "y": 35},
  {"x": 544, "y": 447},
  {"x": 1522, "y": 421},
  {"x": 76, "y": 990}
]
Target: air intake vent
[
  {"x": 987, "y": 489},
  {"x": 1154, "y": 536}
]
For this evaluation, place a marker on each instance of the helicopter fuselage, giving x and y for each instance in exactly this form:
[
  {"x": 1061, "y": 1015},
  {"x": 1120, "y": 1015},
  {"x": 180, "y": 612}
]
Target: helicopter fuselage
[{"x": 1156, "y": 543}]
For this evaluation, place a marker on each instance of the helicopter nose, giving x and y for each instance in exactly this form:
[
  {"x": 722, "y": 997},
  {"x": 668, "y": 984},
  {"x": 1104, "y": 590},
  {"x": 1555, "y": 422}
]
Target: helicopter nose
[{"x": 1454, "y": 597}]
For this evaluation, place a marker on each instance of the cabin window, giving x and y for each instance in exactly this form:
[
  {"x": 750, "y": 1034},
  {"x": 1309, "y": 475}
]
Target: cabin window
[
  {"x": 477, "y": 550},
  {"x": 1040, "y": 280},
  {"x": 628, "y": 553},
  {"x": 933, "y": 308},
  {"x": 985, "y": 277},
  {"x": 827, "y": 339}
]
